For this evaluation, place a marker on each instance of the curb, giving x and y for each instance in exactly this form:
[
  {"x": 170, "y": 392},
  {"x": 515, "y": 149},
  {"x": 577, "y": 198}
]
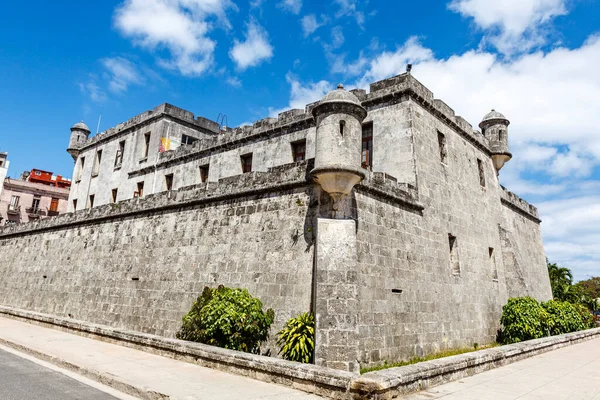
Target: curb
[
  {"x": 105, "y": 379},
  {"x": 379, "y": 385}
]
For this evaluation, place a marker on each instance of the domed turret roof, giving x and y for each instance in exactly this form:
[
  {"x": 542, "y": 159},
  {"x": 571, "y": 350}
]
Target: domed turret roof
[
  {"x": 493, "y": 115},
  {"x": 81, "y": 125},
  {"x": 340, "y": 95}
]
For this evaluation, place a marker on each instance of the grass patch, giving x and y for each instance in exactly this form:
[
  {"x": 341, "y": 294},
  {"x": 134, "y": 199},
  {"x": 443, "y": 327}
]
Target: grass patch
[{"x": 435, "y": 356}]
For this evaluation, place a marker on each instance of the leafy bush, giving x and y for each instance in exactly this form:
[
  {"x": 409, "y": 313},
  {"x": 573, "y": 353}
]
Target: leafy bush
[
  {"x": 229, "y": 318},
  {"x": 297, "y": 338},
  {"x": 563, "y": 317},
  {"x": 588, "y": 319},
  {"x": 523, "y": 318}
]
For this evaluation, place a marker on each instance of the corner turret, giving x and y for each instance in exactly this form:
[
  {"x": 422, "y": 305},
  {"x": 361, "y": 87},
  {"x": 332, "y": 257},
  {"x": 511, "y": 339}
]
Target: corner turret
[
  {"x": 338, "y": 118},
  {"x": 79, "y": 135},
  {"x": 494, "y": 127}
]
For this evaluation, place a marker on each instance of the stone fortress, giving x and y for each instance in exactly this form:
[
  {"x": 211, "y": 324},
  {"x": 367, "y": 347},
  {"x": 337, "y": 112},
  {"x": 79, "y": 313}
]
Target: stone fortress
[{"x": 380, "y": 212}]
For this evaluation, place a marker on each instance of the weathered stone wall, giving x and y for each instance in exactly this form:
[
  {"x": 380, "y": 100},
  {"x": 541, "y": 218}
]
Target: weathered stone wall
[
  {"x": 413, "y": 300},
  {"x": 141, "y": 264}
]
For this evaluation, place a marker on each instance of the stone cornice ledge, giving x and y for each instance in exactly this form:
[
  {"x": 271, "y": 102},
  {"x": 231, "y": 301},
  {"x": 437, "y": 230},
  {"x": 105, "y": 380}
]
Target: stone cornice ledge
[{"x": 393, "y": 382}]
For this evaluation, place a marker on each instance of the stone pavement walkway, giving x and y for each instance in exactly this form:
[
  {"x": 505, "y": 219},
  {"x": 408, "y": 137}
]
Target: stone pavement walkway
[
  {"x": 571, "y": 373},
  {"x": 143, "y": 371}
]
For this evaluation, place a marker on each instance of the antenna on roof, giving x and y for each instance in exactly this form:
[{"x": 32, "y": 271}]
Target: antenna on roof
[
  {"x": 222, "y": 121},
  {"x": 98, "y": 127}
]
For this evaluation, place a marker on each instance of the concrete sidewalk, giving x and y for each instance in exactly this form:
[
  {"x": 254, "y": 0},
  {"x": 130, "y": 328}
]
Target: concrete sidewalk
[
  {"x": 136, "y": 372},
  {"x": 570, "y": 373}
]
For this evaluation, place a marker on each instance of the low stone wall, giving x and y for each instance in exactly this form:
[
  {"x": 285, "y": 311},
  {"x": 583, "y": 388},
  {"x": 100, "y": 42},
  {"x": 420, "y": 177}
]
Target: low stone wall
[{"x": 380, "y": 385}]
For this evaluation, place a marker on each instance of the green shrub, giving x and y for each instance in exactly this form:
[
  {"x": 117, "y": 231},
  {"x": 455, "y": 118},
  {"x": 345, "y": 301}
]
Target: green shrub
[
  {"x": 523, "y": 318},
  {"x": 229, "y": 318},
  {"x": 563, "y": 317},
  {"x": 297, "y": 338},
  {"x": 586, "y": 316}
]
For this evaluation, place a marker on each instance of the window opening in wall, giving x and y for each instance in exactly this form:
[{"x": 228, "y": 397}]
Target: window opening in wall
[
  {"x": 14, "y": 203},
  {"x": 442, "y": 146},
  {"x": 113, "y": 195},
  {"x": 35, "y": 204},
  {"x": 481, "y": 172},
  {"x": 454, "y": 263},
  {"x": 74, "y": 204},
  {"x": 96, "y": 170},
  {"x": 119, "y": 156},
  {"x": 246, "y": 163},
  {"x": 342, "y": 126},
  {"x": 204, "y": 173},
  {"x": 299, "y": 150},
  {"x": 146, "y": 144},
  {"x": 1, "y": 163},
  {"x": 54, "y": 205},
  {"x": 367, "y": 146},
  {"x": 169, "y": 181},
  {"x": 80, "y": 172},
  {"x": 188, "y": 140},
  {"x": 502, "y": 135},
  {"x": 493, "y": 264},
  {"x": 92, "y": 200},
  {"x": 140, "y": 190},
  {"x": 38, "y": 173}
]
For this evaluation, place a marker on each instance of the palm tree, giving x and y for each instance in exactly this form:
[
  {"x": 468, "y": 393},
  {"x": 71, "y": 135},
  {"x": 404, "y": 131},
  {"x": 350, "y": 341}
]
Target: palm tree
[{"x": 561, "y": 280}]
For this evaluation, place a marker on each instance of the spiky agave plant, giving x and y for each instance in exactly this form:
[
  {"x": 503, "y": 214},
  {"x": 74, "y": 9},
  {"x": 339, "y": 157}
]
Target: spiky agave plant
[{"x": 297, "y": 338}]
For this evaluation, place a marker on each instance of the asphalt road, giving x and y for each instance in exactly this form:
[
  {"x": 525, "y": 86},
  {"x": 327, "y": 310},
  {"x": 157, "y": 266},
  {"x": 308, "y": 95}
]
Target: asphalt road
[{"x": 21, "y": 379}]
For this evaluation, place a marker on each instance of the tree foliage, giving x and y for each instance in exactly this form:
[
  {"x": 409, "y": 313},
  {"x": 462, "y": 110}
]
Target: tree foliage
[
  {"x": 524, "y": 318},
  {"x": 229, "y": 318},
  {"x": 297, "y": 338}
]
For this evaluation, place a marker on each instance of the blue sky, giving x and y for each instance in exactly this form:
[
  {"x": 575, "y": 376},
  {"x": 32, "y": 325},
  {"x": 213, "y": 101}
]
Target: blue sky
[{"x": 534, "y": 60}]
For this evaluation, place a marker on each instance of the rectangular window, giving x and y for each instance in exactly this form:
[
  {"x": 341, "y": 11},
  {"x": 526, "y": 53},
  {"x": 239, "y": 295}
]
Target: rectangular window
[
  {"x": 80, "y": 172},
  {"x": 481, "y": 172},
  {"x": 119, "y": 156},
  {"x": 92, "y": 201},
  {"x": 74, "y": 204},
  {"x": 299, "y": 150},
  {"x": 35, "y": 204},
  {"x": 367, "y": 146},
  {"x": 187, "y": 140},
  {"x": 442, "y": 146},
  {"x": 1, "y": 163},
  {"x": 493, "y": 264},
  {"x": 454, "y": 263},
  {"x": 146, "y": 145},
  {"x": 54, "y": 204},
  {"x": 14, "y": 202},
  {"x": 204, "y": 173},
  {"x": 140, "y": 190},
  {"x": 96, "y": 170},
  {"x": 113, "y": 195},
  {"x": 169, "y": 181},
  {"x": 246, "y": 163}
]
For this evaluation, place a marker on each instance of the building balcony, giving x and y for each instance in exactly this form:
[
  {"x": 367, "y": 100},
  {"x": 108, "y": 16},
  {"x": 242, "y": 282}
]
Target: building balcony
[
  {"x": 34, "y": 212},
  {"x": 53, "y": 213},
  {"x": 14, "y": 210}
]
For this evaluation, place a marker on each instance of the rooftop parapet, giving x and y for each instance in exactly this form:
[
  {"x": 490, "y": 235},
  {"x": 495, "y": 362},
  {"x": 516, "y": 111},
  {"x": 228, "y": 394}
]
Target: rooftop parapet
[
  {"x": 164, "y": 109},
  {"x": 513, "y": 201}
]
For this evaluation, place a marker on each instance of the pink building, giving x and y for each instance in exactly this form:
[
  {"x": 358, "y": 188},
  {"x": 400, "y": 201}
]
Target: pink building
[{"x": 22, "y": 201}]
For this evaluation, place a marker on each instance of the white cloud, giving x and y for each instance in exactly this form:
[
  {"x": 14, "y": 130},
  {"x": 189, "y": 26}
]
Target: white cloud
[
  {"x": 512, "y": 25},
  {"x": 180, "y": 26},
  {"x": 234, "y": 81},
  {"x": 292, "y": 6},
  {"x": 93, "y": 90},
  {"x": 310, "y": 24},
  {"x": 254, "y": 49},
  {"x": 303, "y": 94},
  {"x": 348, "y": 8},
  {"x": 337, "y": 37},
  {"x": 122, "y": 73}
]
